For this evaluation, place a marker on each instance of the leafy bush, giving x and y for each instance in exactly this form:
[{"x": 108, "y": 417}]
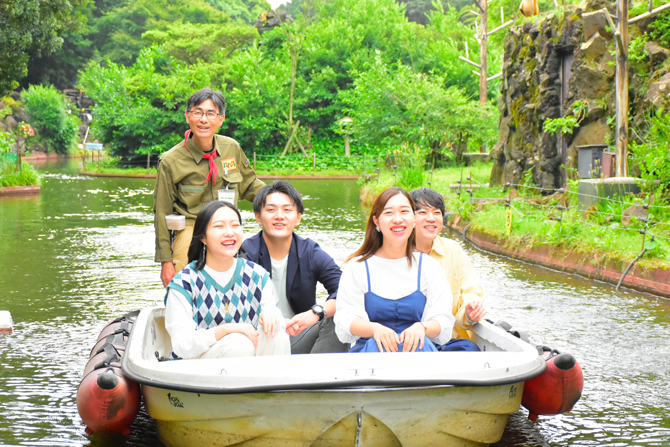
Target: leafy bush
[
  {"x": 48, "y": 113},
  {"x": 140, "y": 109},
  {"x": 394, "y": 105},
  {"x": 654, "y": 154}
]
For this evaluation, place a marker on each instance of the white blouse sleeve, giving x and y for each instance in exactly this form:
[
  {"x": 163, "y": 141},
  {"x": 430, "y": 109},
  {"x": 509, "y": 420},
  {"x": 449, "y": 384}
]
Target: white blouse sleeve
[
  {"x": 187, "y": 340},
  {"x": 350, "y": 303},
  {"x": 438, "y": 299},
  {"x": 269, "y": 305}
]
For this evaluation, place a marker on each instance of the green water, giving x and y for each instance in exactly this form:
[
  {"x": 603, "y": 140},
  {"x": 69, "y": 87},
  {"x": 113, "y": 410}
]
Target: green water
[{"x": 81, "y": 254}]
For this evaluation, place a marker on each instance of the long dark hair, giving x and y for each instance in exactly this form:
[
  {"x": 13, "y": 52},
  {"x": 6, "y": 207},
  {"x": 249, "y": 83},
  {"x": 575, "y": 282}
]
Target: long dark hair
[
  {"x": 373, "y": 238},
  {"x": 196, "y": 250}
]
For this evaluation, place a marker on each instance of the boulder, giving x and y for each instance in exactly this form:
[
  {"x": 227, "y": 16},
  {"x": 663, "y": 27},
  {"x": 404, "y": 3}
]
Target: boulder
[
  {"x": 10, "y": 123},
  {"x": 595, "y": 47},
  {"x": 590, "y": 83},
  {"x": 595, "y": 22},
  {"x": 659, "y": 92},
  {"x": 637, "y": 211},
  {"x": 657, "y": 53}
]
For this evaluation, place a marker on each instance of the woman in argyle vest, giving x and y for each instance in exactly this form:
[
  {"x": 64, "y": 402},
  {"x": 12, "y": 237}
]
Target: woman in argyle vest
[{"x": 220, "y": 305}]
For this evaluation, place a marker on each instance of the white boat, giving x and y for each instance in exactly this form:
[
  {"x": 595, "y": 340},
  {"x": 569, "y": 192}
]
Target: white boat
[{"x": 401, "y": 399}]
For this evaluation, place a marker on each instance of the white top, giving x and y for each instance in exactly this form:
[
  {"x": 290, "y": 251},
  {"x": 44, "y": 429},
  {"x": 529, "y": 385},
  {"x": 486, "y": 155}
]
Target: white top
[
  {"x": 393, "y": 279},
  {"x": 279, "y": 286},
  {"x": 189, "y": 341}
]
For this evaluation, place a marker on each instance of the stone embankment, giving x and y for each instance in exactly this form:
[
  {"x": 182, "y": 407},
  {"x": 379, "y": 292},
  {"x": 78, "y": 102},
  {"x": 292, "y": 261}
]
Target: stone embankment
[{"x": 594, "y": 266}]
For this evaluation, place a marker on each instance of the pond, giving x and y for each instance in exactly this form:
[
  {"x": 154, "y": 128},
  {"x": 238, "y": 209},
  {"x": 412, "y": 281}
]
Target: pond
[{"x": 81, "y": 254}]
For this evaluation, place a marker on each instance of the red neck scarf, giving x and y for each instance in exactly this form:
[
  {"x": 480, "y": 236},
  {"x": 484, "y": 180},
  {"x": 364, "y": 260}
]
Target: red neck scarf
[{"x": 212, "y": 164}]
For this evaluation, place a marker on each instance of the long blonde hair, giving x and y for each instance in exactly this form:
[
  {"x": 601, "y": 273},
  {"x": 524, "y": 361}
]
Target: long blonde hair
[{"x": 375, "y": 239}]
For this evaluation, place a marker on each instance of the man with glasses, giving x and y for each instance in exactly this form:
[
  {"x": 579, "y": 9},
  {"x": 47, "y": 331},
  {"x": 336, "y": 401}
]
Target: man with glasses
[{"x": 202, "y": 168}]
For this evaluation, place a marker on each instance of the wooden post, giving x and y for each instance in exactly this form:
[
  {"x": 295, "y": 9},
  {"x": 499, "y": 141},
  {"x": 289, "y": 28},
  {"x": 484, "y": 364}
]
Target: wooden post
[
  {"x": 254, "y": 160},
  {"x": 347, "y": 153},
  {"x": 148, "y": 159},
  {"x": 622, "y": 89},
  {"x": 314, "y": 161},
  {"x": 99, "y": 158}
]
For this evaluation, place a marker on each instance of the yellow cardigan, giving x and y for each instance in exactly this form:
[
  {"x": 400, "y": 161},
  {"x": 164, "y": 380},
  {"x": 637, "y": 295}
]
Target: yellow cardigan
[{"x": 463, "y": 279}]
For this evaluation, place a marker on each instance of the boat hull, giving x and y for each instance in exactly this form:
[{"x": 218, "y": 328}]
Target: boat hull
[
  {"x": 363, "y": 399},
  {"x": 441, "y": 415}
]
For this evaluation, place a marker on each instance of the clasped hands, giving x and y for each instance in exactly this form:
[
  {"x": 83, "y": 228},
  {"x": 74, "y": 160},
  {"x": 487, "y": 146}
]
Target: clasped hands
[
  {"x": 269, "y": 322},
  {"x": 388, "y": 340}
]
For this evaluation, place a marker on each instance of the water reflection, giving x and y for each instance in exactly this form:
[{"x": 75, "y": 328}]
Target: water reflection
[{"x": 81, "y": 254}]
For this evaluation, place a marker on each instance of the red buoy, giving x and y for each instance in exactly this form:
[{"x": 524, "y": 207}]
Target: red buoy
[
  {"x": 108, "y": 401},
  {"x": 557, "y": 389}
]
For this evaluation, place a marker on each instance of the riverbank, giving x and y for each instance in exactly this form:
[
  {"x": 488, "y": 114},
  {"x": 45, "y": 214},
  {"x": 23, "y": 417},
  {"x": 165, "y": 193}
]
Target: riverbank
[
  {"x": 93, "y": 170},
  {"x": 552, "y": 231},
  {"x": 598, "y": 266}
]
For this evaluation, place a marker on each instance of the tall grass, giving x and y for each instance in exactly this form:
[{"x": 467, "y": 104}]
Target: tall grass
[{"x": 9, "y": 176}]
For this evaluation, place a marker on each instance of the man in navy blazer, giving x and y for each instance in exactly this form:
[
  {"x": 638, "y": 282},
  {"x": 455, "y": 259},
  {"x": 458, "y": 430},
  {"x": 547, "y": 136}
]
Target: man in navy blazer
[{"x": 295, "y": 265}]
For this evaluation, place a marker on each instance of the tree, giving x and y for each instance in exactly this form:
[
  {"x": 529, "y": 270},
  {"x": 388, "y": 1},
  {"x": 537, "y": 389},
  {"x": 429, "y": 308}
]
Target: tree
[{"x": 31, "y": 26}]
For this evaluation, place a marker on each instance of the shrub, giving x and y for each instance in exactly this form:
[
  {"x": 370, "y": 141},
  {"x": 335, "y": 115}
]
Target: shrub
[
  {"x": 654, "y": 154},
  {"x": 48, "y": 113}
]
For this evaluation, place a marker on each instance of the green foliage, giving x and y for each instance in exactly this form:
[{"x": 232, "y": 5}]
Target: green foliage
[
  {"x": 191, "y": 42},
  {"x": 660, "y": 29},
  {"x": 257, "y": 100},
  {"x": 247, "y": 10},
  {"x": 48, "y": 111},
  {"x": 567, "y": 124},
  {"x": 30, "y": 26},
  {"x": 653, "y": 155},
  {"x": 9, "y": 176},
  {"x": 118, "y": 33},
  {"x": 140, "y": 109},
  {"x": 394, "y": 105}
]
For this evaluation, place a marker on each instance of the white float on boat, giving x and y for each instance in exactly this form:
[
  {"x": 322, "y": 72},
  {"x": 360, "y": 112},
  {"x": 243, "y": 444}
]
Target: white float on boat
[
  {"x": 402, "y": 399},
  {"x": 6, "y": 324}
]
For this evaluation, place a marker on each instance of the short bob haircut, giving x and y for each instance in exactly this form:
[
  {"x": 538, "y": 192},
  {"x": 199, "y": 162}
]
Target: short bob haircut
[
  {"x": 375, "y": 239},
  {"x": 203, "y": 95},
  {"x": 282, "y": 187},
  {"x": 196, "y": 250},
  {"x": 424, "y": 197}
]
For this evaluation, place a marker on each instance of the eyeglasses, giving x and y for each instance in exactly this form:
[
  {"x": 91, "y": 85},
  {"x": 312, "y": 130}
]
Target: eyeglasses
[{"x": 197, "y": 114}]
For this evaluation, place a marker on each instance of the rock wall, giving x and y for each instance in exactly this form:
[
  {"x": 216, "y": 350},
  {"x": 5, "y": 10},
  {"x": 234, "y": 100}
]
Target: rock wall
[{"x": 535, "y": 55}]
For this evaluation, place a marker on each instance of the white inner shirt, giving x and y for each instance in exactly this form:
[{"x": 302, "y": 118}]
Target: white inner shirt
[{"x": 279, "y": 286}]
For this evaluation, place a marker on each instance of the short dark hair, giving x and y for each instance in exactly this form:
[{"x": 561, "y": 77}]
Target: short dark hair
[
  {"x": 203, "y": 95},
  {"x": 278, "y": 186},
  {"x": 428, "y": 197},
  {"x": 195, "y": 250}
]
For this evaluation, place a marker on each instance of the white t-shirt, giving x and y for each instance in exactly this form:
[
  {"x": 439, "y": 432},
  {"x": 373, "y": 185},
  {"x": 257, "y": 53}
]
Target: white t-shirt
[
  {"x": 279, "y": 285},
  {"x": 393, "y": 279},
  {"x": 188, "y": 341}
]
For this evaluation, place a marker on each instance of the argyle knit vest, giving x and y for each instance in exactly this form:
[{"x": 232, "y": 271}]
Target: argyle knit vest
[{"x": 213, "y": 304}]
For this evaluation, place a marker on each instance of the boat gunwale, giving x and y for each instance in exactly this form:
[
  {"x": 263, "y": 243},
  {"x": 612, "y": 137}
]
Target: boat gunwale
[{"x": 355, "y": 385}]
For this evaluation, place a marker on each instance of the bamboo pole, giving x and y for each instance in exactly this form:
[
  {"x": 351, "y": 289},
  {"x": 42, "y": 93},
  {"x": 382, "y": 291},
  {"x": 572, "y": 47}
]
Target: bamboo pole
[
  {"x": 254, "y": 161},
  {"x": 482, "y": 60},
  {"x": 622, "y": 89}
]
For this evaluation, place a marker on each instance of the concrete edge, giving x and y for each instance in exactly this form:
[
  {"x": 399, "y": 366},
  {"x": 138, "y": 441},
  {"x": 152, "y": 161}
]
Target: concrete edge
[
  {"x": 19, "y": 190},
  {"x": 655, "y": 281}
]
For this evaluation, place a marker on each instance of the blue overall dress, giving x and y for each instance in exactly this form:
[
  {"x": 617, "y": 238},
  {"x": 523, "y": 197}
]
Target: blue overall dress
[{"x": 397, "y": 314}]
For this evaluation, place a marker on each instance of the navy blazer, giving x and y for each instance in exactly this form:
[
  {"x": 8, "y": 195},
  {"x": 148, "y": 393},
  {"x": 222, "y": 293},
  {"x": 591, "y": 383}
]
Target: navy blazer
[{"x": 307, "y": 264}]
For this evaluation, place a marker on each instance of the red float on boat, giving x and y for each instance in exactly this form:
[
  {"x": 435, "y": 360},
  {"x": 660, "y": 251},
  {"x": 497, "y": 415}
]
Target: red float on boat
[
  {"x": 557, "y": 389},
  {"x": 107, "y": 400}
]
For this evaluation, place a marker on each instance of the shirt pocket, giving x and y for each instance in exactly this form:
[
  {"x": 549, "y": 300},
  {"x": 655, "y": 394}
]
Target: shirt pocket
[
  {"x": 233, "y": 179},
  {"x": 191, "y": 195}
]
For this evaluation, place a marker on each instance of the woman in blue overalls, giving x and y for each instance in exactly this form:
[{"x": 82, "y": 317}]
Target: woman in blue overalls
[{"x": 392, "y": 298}]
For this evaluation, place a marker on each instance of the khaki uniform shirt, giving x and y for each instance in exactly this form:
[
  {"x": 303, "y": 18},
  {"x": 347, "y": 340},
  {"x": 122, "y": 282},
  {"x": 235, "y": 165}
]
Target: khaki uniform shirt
[
  {"x": 463, "y": 279},
  {"x": 181, "y": 186}
]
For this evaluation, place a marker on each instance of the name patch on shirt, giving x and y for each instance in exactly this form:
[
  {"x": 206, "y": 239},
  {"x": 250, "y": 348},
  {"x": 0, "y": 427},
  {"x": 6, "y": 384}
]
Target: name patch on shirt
[{"x": 229, "y": 164}]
